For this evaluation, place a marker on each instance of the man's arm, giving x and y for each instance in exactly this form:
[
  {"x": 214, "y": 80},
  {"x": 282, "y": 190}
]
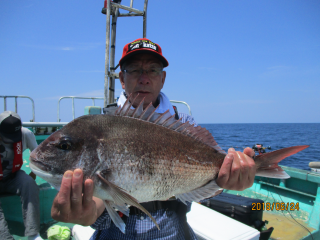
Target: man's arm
[
  {"x": 70, "y": 205},
  {"x": 30, "y": 139},
  {"x": 30, "y": 143}
]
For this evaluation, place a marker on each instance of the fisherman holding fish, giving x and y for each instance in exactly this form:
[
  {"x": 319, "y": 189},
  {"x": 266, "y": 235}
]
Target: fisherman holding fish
[
  {"x": 142, "y": 77},
  {"x": 14, "y": 139}
]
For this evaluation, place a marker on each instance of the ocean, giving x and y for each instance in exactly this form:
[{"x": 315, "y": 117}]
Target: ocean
[{"x": 275, "y": 135}]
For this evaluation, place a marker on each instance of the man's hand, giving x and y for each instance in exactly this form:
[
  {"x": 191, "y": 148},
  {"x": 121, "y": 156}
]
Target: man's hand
[
  {"x": 70, "y": 205},
  {"x": 237, "y": 171}
]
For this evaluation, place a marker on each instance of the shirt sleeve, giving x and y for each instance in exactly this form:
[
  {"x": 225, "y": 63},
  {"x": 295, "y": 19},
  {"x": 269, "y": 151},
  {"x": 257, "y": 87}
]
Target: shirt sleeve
[
  {"x": 103, "y": 222},
  {"x": 29, "y": 138},
  {"x": 187, "y": 118}
]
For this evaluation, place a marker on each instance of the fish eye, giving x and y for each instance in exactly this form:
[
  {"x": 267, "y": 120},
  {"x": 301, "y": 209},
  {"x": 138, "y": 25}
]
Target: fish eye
[{"x": 65, "y": 144}]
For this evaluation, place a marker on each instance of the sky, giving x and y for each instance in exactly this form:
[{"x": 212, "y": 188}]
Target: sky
[{"x": 233, "y": 61}]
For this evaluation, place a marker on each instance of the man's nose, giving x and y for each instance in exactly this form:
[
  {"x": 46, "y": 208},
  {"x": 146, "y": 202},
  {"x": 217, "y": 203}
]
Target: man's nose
[{"x": 144, "y": 78}]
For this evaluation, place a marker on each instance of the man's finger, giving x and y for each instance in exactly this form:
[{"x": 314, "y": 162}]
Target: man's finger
[
  {"x": 225, "y": 170},
  {"x": 252, "y": 170},
  {"x": 235, "y": 170},
  {"x": 231, "y": 150},
  {"x": 55, "y": 212},
  {"x": 244, "y": 169},
  {"x": 88, "y": 193},
  {"x": 249, "y": 152},
  {"x": 247, "y": 168},
  {"x": 76, "y": 193},
  {"x": 63, "y": 197}
]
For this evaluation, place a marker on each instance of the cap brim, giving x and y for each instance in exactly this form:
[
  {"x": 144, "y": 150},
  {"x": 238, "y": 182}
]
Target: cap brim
[
  {"x": 11, "y": 138},
  {"x": 138, "y": 51}
]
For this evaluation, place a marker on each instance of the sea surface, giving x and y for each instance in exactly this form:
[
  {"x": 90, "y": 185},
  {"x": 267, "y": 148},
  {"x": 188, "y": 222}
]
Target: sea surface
[{"x": 275, "y": 135}]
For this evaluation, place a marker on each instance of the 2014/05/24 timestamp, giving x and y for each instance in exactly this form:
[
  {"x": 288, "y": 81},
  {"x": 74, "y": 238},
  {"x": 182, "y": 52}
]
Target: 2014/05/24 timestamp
[{"x": 279, "y": 206}]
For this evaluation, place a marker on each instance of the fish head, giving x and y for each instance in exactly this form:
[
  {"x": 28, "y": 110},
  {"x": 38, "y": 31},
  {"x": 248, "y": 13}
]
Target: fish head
[{"x": 73, "y": 146}]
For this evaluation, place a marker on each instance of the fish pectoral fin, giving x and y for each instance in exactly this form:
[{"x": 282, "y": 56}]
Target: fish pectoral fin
[
  {"x": 115, "y": 216},
  {"x": 122, "y": 199},
  {"x": 208, "y": 190},
  {"x": 122, "y": 208}
]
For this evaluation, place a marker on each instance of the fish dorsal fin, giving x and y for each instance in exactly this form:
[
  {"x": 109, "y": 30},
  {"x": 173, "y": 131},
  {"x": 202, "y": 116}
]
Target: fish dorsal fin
[{"x": 168, "y": 121}]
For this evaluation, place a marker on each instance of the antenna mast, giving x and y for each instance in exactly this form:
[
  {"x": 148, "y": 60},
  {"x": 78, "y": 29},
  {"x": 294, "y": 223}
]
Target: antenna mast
[{"x": 111, "y": 8}]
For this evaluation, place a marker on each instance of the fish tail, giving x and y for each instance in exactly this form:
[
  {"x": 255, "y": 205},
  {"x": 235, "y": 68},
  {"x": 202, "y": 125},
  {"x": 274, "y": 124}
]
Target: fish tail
[{"x": 267, "y": 163}]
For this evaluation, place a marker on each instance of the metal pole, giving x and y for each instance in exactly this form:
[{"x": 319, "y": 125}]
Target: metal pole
[
  {"x": 33, "y": 110},
  {"x": 130, "y": 15},
  {"x": 126, "y": 8},
  {"x": 44, "y": 124},
  {"x": 15, "y": 105},
  {"x": 73, "y": 107},
  {"x": 58, "y": 120},
  {"x": 112, "y": 55},
  {"x": 5, "y": 103},
  {"x": 106, "y": 74},
  {"x": 145, "y": 18},
  {"x": 93, "y": 101}
]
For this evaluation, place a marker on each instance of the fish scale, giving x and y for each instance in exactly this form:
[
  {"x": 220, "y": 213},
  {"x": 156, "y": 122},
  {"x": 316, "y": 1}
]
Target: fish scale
[
  {"x": 138, "y": 155},
  {"x": 158, "y": 171},
  {"x": 153, "y": 167}
]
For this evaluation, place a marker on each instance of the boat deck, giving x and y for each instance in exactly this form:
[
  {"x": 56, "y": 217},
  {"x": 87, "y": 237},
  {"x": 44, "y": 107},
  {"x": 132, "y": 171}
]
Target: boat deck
[{"x": 285, "y": 228}]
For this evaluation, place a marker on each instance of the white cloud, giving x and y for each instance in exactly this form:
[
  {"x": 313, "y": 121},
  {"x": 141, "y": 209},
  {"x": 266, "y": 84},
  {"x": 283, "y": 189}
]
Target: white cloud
[
  {"x": 95, "y": 93},
  {"x": 279, "y": 67},
  {"x": 207, "y": 68},
  {"x": 242, "y": 102},
  {"x": 92, "y": 71},
  {"x": 66, "y": 46}
]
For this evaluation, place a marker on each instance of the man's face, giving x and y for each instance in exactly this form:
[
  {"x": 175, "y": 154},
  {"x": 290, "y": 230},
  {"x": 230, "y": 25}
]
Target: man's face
[
  {"x": 147, "y": 87},
  {"x": 1, "y": 140}
]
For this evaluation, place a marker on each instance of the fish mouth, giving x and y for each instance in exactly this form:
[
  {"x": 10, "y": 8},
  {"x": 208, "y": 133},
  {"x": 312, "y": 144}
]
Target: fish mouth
[
  {"x": 44, "y": 172},
  {"x": 39, "y": 165}
]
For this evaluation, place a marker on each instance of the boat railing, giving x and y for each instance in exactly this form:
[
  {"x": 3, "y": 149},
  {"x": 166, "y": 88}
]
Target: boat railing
[
  {"x": 73, "y": 110},
  {"x": 184, "y": 103},
  {"x": 44, "y": 124},
  {"x": 16, "y": 104},
  {"x": 93, "y": 104}
]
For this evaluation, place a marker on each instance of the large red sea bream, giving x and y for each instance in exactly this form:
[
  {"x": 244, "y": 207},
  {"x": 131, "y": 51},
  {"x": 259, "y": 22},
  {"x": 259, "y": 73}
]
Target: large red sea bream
[{"x": 137, "y": 155}]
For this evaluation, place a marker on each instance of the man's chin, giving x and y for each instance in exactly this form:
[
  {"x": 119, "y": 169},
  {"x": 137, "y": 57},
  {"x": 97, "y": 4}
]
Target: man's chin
[{"x": 141, "y": 96}]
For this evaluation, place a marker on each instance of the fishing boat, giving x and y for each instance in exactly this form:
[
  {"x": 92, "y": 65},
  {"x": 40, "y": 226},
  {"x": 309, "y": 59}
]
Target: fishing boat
[{"x": 291, "y": 206}]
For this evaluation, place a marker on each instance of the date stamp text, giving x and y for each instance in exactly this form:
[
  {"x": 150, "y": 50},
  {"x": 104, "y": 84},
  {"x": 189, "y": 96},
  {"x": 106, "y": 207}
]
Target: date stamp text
[{"x": 279, "y": 206}]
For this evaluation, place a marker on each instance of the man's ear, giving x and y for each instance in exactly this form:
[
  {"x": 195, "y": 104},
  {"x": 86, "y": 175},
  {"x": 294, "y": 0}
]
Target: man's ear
[
  {"x": 121, "y": 77},
  {"x": 164, "y": 74}
]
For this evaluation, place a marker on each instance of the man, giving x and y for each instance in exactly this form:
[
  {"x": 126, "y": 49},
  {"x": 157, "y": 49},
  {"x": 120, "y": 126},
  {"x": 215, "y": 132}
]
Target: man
[
  {"x": 142, "y": 76},
  {"x": 14, "y": 139}
]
